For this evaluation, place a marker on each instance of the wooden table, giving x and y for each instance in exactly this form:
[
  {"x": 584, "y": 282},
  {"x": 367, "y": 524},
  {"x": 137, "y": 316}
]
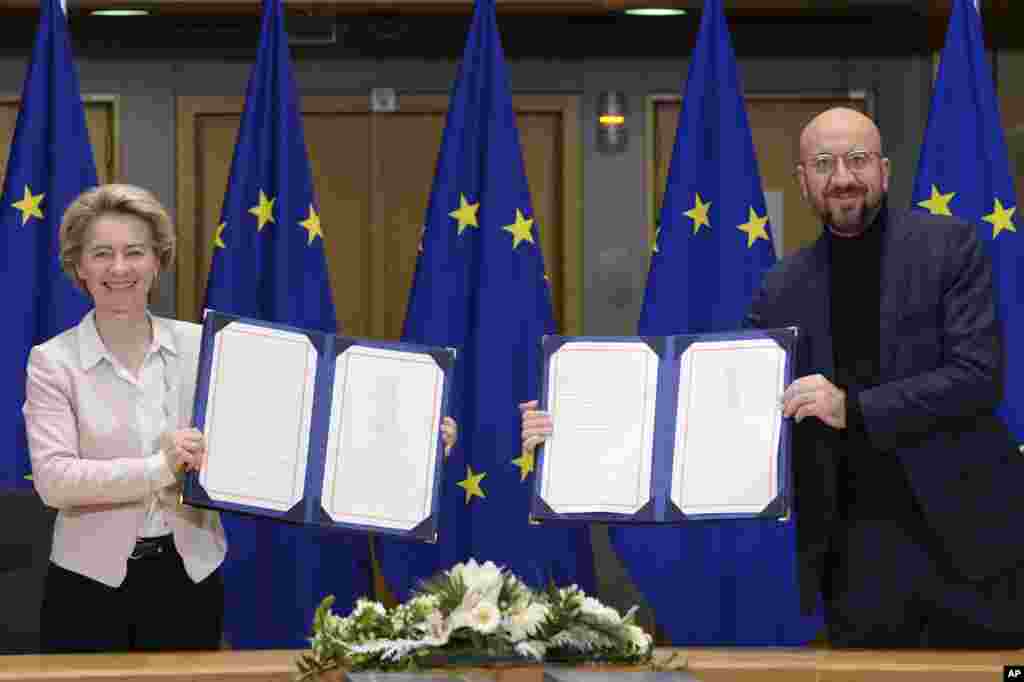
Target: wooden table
[{"x": 707, "y": 665}]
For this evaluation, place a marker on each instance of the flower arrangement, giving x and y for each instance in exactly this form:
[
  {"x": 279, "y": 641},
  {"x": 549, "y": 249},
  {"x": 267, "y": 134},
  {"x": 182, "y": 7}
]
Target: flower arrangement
[{"x": 474, "y": 612}]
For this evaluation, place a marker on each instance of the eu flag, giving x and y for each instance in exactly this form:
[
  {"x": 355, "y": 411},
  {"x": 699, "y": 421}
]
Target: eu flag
[
  {"x": 480, "y": 287},
  {"x": 269, "y": 263},
  {"x": 50, "y": 163},
  {"x": 964, "y": 171},
  {"x": 723, "y": 582}
]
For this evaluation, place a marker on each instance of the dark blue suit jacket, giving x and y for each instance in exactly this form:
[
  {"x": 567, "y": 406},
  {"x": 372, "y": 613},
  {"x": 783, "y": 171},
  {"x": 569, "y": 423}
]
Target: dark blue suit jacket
[{"x": 941, "y": 374}]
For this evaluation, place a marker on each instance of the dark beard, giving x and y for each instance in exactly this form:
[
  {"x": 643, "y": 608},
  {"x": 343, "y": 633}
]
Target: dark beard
[
  {"x": 850, "y": 219},
  {"x": 855, "y": 222}
]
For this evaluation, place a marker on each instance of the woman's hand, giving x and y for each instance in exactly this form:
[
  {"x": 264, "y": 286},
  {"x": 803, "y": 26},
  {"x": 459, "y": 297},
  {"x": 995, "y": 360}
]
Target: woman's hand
[
  {"x": 185, "y": 449},
  {"x": 537, "y": 425},
  {"x": 449, "y": 433}
]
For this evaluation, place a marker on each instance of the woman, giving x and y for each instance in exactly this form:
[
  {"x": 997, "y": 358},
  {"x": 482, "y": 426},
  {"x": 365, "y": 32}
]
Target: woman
[
  {"x": 107, "y": 409},
  {"x": 131, "y": 568}
]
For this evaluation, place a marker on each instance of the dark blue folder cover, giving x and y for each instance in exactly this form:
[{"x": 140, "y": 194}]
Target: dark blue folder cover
[{"x": 309, "y": 510}]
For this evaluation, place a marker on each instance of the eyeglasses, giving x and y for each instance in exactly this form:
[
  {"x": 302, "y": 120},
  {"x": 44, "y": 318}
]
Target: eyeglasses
[{"x": 826, "y": 164}]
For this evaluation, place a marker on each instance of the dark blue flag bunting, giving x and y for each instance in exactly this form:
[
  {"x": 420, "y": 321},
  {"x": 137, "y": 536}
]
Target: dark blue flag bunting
[
  {"x": 480, "y": 287},
  {"x": 269, "y": 263},
  {"x": 50, "y": 163},
  {"x": 724, "y": 582},
  {"x": 964, "y": 171}
]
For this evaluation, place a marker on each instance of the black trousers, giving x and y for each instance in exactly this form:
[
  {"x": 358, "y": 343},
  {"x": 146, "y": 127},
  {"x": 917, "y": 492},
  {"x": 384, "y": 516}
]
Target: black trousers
[
  {"x": 156, "y": 608},
  {"x": 891, "y": 586}
]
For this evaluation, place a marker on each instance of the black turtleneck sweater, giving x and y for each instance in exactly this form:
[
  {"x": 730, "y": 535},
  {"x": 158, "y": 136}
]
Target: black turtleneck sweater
[{"x": 871, "y": 484}]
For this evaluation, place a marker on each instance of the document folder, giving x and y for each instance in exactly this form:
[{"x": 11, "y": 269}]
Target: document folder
[
  {"x": 318, "y": 429},
  {"x": 665, "y": 429}
]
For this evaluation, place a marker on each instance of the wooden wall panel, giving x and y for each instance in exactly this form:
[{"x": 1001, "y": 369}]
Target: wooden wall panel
[{"x": 372, "y": 174}]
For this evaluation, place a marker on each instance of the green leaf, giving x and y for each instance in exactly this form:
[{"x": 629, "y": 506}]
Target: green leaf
[{"x": 321, "y": 613}]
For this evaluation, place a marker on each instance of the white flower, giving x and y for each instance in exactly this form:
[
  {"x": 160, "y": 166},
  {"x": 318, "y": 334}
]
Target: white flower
[
  {"x": 485, "y": 618},
  {"x": 640, "y": 639},
  {"x": 459, "y": 618},
  {"x": 522, "y": 620},
  {"x": 564, "y": 593},
  {"x": 531, "y": 649},
  {"x": 471, "y": 599},
  {"x": 485, "y": 578},
  {"x": 367, "y": 605},
  {"x": 594, "y": 608},
  {"x": 427, "y": 601},
  {"x": 333, "y": 621}
]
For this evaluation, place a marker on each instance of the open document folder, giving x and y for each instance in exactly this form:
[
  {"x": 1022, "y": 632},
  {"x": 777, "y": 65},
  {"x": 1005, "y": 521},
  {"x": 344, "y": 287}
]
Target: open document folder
[
  {"x": 665, "y": 429},
  {"x": 319, "y": 429}
]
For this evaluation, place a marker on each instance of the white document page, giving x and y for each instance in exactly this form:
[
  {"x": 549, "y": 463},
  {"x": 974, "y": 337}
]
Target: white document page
[
  {"x": 727, "y": 427},
  {"x": 382, "y": 443},
  {"x": 258, "y": 411},
  {"x": 601, "y": 396}
]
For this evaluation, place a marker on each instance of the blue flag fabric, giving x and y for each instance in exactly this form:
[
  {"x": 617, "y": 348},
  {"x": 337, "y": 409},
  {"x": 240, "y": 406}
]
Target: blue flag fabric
[
  {"x": 480, "y": 287},
  {"x": 729, "y": 582},
  {"x": 964, "y": 171},
  {"x": 50, "y": 163},
  {"x": 269, "y": 263}
]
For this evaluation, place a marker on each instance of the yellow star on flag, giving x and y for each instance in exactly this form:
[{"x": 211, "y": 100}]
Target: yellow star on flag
[
  {"x": 525, "y": 464},
  {"x": 465, "y": 213},
  {"x": 938, "y": 203},
  {"x": 1000, "y": 218},
  {"x": 312, "y": 226},
  {"x": 520, "y": 229},
  {"x": 264, "y": 212},
  {"x": 471, "y": 484},
  {"x": 218, "y": 237},
  {"x": 754, "y": 227},
  {"x": 29, "y": 205},
  {"x": 699, "y": 214}
]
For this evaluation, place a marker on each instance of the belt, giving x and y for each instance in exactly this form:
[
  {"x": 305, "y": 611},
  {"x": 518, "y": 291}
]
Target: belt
[{"x": 152, "y": 547}]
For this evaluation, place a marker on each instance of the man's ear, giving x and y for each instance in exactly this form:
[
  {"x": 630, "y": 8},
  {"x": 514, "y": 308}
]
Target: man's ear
[{"x": 801, "y": 179}]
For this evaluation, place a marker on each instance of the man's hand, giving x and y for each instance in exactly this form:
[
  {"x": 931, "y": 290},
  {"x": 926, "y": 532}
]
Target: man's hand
[
  {"x": 815, "y": 396},
  {"x": 449, "y": 434}
]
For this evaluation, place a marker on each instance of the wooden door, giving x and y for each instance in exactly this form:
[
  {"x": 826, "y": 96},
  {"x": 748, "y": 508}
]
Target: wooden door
[
  {"x": 1011, "y": 104},
  {"x": 100, "y": 117}
]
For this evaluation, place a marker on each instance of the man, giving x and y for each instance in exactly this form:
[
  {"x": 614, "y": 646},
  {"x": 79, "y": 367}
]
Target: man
[{"x": 906, "y": 483}]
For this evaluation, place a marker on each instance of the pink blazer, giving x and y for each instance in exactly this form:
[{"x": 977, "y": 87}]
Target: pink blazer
[{"x": 88, "y": 462}]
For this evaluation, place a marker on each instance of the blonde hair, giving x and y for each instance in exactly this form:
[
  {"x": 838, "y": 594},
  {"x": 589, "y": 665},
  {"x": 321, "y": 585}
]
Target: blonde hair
[{"x": 114, "y": 199}]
